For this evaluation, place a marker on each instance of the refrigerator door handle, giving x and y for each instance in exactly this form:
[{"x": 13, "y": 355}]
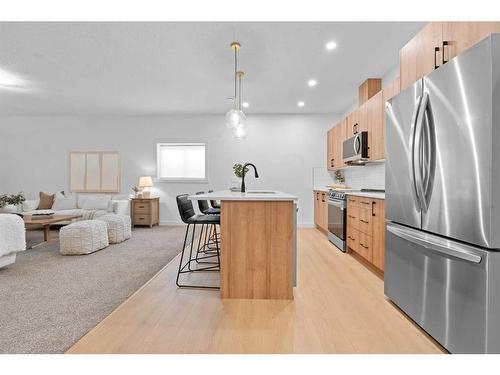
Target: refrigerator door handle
[
  {"x": 411, "y": 161},
  {"x": 418, "y": 151},
  {"x": 435, "y": 243}
]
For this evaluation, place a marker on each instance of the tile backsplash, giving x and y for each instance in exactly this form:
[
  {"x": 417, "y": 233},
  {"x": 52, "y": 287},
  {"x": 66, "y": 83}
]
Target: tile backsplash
[{"x": 368, "y": 176}]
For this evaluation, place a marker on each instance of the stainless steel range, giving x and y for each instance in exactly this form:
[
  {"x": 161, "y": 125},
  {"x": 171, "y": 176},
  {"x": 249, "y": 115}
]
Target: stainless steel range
[{"x": 337, "y": 218}]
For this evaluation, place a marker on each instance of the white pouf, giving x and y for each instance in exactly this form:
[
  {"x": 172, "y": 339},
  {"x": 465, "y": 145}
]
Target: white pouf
[
  {"x": 83, "y": 237},
  {"x": 119, "y": 227}
]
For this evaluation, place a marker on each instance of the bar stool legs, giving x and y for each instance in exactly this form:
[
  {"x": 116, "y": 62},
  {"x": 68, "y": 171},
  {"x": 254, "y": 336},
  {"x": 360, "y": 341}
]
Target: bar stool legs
[{"x": 187, "y": 267}]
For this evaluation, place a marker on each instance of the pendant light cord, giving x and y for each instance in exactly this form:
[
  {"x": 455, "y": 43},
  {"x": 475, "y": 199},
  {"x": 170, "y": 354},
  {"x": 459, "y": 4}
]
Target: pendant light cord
[
  {"x": 235, "y": 76},
  {"x": 239, "y": 95}
]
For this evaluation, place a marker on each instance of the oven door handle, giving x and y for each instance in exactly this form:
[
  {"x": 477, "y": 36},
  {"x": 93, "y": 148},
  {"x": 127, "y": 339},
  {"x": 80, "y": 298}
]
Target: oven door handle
[{"x": 337, "y": 204}]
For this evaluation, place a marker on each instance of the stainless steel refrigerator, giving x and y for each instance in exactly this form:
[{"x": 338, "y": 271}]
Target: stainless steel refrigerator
[{"x": 442, "y": 264}]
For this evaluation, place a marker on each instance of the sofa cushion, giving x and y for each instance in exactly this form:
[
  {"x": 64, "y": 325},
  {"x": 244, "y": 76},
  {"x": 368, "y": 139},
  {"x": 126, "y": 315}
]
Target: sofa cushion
[
  {"x": 64, "y": 202},
  {"x": 95, "y": 203},
  {"x": 46, "y": 201},
  {"x": 82, "y": 198},
  {"x": 30, "y": 205}
]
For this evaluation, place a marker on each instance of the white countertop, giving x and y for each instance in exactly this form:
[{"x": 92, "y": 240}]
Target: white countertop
[
  {"x": 321, "y": 188},
  {"x": 250, "y": 195},
  {"x": 367, "y": 194}
]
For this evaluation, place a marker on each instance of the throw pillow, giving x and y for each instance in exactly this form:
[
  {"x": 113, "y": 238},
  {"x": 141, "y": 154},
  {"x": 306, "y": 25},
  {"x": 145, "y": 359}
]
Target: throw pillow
[
  {"x": 64, "y": 202},
  {"x": 46, "y": 201}
]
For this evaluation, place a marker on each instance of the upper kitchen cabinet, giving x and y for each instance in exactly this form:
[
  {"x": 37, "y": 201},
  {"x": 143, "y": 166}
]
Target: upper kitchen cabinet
[
  {"x": 419, "y": 56},
  {"x": 336, "y": 136},
  {"x": 352, "y": 123},
  {"x": 390, "y": 90},
  {"x": 330, "y": 149},
  {"x": 374, "y": 114},
  {"x": 458, "y": 36},
  {"x": 437, "y": 43},
  {"x": 368, "y": 88}
]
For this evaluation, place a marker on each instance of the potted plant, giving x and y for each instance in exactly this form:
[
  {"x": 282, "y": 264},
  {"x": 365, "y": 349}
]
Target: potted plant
[
  {"x": 238, "y": 172},
  {"x": 9, "y": 203}
]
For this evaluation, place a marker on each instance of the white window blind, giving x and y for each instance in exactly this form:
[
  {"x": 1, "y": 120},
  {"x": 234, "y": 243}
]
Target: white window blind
[{"x": 182, "y": 161}]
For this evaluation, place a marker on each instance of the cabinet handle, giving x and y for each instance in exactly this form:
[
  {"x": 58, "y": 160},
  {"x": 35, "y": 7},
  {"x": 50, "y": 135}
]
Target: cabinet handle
[
  {"x": 436, "y": 50},
  {"x": 365, "y": 202},
  {"x": 366, "y": 222},
  {"x": 445, "y": 44},
  {"x": 366, "y": 247},
  {"x": 373, "y": 211},
  {"x": 355, "y": 128}
]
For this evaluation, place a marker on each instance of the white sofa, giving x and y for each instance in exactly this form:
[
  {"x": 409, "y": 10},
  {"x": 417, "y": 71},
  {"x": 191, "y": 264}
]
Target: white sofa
[
  {"x": 12, "y": 238},
  {"x": 90, "y": 206}
]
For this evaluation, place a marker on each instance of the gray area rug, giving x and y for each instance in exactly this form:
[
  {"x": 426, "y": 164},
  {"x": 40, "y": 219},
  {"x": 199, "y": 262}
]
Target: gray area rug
[{"x": 48, "y": 301}]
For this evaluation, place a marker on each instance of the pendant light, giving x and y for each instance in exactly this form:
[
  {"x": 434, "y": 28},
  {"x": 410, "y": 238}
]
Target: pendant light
[
  {"x": 235, "y": 117},
  {"x": 240, "y": 130}
]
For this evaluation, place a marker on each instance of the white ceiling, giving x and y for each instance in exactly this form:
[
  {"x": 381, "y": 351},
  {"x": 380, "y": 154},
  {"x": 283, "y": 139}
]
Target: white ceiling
[{"x": 142, "y": 68}]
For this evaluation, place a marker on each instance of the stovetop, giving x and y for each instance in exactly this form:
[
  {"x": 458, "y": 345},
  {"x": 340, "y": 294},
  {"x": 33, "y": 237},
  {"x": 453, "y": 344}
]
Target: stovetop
[{"x": 339, "y": 195}]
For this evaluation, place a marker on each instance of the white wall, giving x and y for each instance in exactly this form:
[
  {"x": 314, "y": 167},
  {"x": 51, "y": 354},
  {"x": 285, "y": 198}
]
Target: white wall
[{"x": 284, "y": 148}]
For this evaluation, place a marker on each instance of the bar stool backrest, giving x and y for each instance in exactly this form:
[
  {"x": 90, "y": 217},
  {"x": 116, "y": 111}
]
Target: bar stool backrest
[
  {"x": 202, "y": 205},
  {"x": 214, "y": 204},
  {"x": 185, "y": 206}
]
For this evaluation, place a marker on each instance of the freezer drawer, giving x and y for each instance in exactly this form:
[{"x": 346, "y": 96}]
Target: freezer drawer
[{"x": 450, "y": 289}]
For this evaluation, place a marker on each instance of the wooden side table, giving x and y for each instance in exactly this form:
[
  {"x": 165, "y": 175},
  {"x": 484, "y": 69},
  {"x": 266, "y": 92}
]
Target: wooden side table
[{"x": 145, "y": 211}]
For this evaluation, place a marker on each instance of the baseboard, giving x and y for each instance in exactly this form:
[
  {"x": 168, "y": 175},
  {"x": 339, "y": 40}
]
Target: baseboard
[{"x": 171, "y": 223}]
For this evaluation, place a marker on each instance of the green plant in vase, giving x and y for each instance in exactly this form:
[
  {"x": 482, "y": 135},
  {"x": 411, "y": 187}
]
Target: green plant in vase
[
  {"x": 339, "y": 177},
  {"x": 238, "y": 172},
  {"x": 9, "y": 203}
]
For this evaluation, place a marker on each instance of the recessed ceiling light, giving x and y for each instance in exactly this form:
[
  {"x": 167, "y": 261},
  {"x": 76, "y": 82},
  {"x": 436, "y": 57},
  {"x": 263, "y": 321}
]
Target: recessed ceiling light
[
  {"x": 8, "y": 79},
  {"x": 312, "y": 83},
  {"x": 300, "y": 104},
  {"x": 331, "y": 45},
  {"x": 246, "y": 104}
]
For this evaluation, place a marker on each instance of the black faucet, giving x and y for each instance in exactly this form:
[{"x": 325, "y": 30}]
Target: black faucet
[{"x": 243, "y": 175}]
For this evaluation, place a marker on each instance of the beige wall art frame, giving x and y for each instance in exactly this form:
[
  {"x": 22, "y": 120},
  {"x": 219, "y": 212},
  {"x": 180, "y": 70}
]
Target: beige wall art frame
[{"x": 94, "y": 172}]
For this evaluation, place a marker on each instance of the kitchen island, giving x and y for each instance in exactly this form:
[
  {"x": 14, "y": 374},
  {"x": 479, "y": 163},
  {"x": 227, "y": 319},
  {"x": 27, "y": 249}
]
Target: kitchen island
[{"x": 258, "y": 243}]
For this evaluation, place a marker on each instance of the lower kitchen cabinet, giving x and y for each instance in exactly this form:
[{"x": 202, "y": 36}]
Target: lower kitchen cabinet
[
  {"x": 321, "y": 210},
  {"x": 366, "y": 228}
]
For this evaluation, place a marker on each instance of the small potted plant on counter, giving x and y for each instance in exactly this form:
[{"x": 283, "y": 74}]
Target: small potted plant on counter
[
  {"x": 9, "y": 203},
  {"x": 238, "y": 172}
]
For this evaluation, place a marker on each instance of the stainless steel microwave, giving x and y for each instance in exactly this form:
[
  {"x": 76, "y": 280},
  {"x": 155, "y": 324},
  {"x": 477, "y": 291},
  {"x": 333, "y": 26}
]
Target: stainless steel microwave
[{"x": 355, "y": 149}]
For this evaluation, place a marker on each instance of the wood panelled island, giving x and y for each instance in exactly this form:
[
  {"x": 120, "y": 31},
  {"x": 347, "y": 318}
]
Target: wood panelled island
[{"x": 258, "y": 244}]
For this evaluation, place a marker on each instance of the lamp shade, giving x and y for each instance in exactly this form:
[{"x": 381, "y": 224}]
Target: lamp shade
[{"x": 145, "y": 181}]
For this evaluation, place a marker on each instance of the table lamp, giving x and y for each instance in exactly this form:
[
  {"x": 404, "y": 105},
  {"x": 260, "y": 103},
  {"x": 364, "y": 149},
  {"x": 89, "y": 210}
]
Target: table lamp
[{"x": 144, "y": 183}]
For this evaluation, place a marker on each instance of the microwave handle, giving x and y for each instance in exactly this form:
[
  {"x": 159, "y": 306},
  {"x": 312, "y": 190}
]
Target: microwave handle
[{"x": 357, "y": 144}]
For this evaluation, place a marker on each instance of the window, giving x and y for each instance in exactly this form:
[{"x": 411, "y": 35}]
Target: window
[{"x": 183, "y": 162}]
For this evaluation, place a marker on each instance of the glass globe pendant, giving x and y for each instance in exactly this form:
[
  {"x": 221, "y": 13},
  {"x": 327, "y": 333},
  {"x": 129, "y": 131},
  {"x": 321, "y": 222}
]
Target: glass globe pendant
[
  {"x": 240, "y": 132},
  {"x": 234, "y": 118}
]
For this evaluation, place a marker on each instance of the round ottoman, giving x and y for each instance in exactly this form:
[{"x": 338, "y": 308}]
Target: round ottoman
[
  {"x": 83, "y": 237},
  {"x": 119, "y": 227}
]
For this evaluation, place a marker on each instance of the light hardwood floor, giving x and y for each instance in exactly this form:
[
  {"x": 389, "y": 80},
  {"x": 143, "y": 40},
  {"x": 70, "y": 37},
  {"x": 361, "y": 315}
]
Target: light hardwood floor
[{"x": 339, "y": 307}]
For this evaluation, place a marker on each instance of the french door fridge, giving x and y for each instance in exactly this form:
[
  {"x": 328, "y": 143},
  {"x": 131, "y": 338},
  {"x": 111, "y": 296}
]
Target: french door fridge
[{"x": 442, "y": 266}]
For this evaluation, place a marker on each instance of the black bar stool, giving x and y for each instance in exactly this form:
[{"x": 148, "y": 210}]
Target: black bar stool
[
  {"x": 188, "y": 216},
  {"x": 213, "y": 203},
  {"x": 207, "y": 210}
]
